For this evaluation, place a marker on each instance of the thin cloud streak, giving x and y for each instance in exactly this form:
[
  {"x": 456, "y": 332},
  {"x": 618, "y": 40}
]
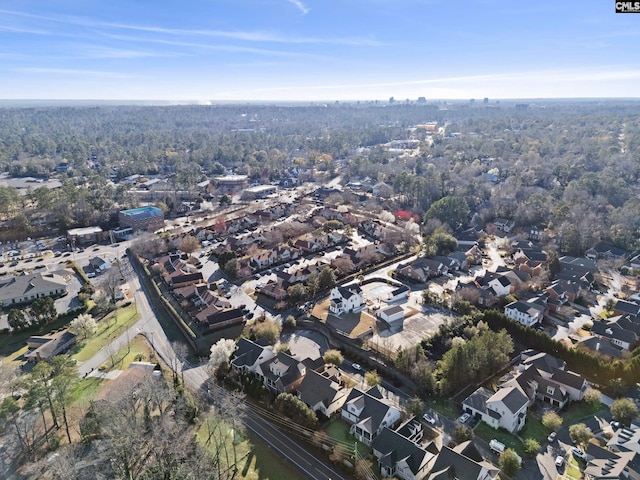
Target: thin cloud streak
[
  {"x": 249, "y": 36},
  {"x": 301, "y": 6},
  {"x": 557, "y": 76},
  {"x": 224, "y": 48}
]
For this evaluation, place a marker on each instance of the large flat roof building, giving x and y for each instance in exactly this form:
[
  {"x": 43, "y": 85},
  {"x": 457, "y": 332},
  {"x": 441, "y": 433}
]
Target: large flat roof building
[
  {"x": 144, "y": 218},
  {"x": 231, "y": 183}
]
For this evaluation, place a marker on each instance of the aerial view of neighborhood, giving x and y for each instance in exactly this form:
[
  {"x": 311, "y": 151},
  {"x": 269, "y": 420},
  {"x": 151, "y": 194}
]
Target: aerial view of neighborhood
[{"x": 364, "y": 290}]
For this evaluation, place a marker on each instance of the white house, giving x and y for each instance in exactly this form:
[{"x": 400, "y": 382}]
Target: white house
[
  {"x": 249, "y": 355},
  {"x": 346, "y": 299},
  {"x": 526, "y": 313},
  {"x": 506, "y": 408}
]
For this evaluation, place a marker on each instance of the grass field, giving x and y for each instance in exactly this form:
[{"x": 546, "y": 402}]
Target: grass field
[
  {"x": 533, "y": 428},
  {"x": 339, "y": 430},
  {"x": 445, "y": 406},
  {"x": 253, "y": 460},
  {"x": 487, "y": 433},
  {"x": 108, "y": 328},
  {"x": 138, "y": 350},
  {"x": 579, "y": 411}
]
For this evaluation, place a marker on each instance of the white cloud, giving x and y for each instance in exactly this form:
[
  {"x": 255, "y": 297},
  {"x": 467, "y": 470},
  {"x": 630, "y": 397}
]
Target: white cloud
[{"x": 301, "y": 6}]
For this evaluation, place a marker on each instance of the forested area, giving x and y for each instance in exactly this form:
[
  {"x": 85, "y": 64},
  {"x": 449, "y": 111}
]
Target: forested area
[{"x": 572, "y": 167}]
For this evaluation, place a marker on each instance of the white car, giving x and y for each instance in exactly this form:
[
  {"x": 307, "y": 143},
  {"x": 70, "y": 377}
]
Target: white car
[
  {"x": 559, "y": 461},
  {"x": 356, "y": 366},
  {"x": 428, "y": 418},
  {"x": 578, "y": 453},
  {"x": 463, "y": 418}
]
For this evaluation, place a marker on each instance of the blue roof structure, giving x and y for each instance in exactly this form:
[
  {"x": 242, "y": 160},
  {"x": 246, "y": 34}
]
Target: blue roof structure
[{"x": 143, "y": 212}]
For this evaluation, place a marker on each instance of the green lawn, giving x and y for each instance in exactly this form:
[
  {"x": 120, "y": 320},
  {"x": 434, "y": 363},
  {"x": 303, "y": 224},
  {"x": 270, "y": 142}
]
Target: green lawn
[
  {"x": 255, "y": 461},
  {"x": 533, "y": 428},
  {"x": 338, "y": 429},
  {"x": 488, "y": 433},
  {"x": 574, "y": 470},
  {"x": 108, "y": 329},
  {"x": 137, "y": 348},
  {"x": 86, "y": 389},
  {"x": 579, "y": 411},
  {"x": 444, "y": 406}
]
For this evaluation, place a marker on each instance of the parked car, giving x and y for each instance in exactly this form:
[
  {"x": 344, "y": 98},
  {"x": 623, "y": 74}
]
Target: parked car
[
  {"x": 552, "y": 437},
  {"x": 578, "y": 453},
  {"x": 614, "y": 424},
  {"x": 559, "y": 461},
  {"x": 429, "y": 419},
  {"x": 356, "y": 366},
  {"x": 463, "y": 418}
]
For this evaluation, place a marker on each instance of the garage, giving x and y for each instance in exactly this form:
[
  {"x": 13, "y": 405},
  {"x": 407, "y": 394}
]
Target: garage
[{"x": 392, "y": 315}]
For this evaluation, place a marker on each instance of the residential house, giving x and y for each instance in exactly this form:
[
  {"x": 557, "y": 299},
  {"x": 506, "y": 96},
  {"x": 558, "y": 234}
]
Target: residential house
[
  {"x": 462, "y": 462},
  {"x": 371, "y": 228},
  {"x": 606, "y": 251},
  {"x": 400, "y": 453},
  {"x": 504, "y": 225},
  {"x": 543, "y": 377},
  {"x": 284, "y": 373},
  {"x": 461, "y": 260},
  {"x": 506, "y": 408},
  {"x": 578, "y": 269},
  {"x": 223, "y": 319},
  {"x": 274, "y": 290},
  {"x": 99, "y": 264},
  {"x": 616, "y": 334},
  {"x": 600, "y": 345},
  {"x": 382, "y": 190},
  {"x": 624, "y": 307},
  {"x": 248, "y": 355},
  {"x": 526, "y": 313},
  {"x": 608, "y": 465},
  {"x": 346, "y": 299},
  {"x": 26, "y": 288},
  {"x": 421, "y": 270},
  {"x": 369, "y": 413},
  {"x": 626, "y": 439},
  {"x": 46, "y": 347},
  {"x": 324, "y": 391}
]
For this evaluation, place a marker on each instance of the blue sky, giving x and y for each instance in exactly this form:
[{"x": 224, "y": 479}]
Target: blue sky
[{"x": 316, "y": 49}]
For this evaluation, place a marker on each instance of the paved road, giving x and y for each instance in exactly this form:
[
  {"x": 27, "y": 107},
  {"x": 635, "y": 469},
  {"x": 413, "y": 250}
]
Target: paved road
[{"x": 196, "y": 376}]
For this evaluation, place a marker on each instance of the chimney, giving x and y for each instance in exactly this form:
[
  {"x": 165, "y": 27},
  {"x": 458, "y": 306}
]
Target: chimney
[{"x": 597, "y": 346}]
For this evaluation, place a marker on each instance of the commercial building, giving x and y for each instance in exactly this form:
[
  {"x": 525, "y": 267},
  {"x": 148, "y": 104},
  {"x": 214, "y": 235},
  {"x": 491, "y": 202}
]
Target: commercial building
[
  {"x": 231, "y": 183},
  {"x": 144, "y": 218}
]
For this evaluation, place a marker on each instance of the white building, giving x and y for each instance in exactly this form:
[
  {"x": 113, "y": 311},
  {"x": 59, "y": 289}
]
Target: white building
[
  {"x": 346, "y": 299},
  {"x": 526, "y": 313}
]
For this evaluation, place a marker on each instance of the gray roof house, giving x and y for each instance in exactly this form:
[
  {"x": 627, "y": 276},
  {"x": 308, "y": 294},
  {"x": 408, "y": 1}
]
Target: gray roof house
[
  {"x": 368, "y": 414},
  {"x": 506, "y": 408},
  {"x": 248, "y": 355},
  {"x": 323, "y": 391},
  {"x": 400, "y": 453},
  {"x": 27, "y": 288},
  {"x": 462, "y": 462},
  {"x": 45, "y": 348}
]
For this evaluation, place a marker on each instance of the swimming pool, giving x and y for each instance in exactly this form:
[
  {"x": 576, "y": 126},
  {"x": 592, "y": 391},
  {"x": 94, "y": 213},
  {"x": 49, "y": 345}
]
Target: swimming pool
[{"x": 380, "y": 290}]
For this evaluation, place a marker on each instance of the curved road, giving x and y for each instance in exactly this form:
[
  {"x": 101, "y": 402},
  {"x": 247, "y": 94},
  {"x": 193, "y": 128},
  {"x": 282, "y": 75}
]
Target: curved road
[{"x": 195, "y": 377}]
